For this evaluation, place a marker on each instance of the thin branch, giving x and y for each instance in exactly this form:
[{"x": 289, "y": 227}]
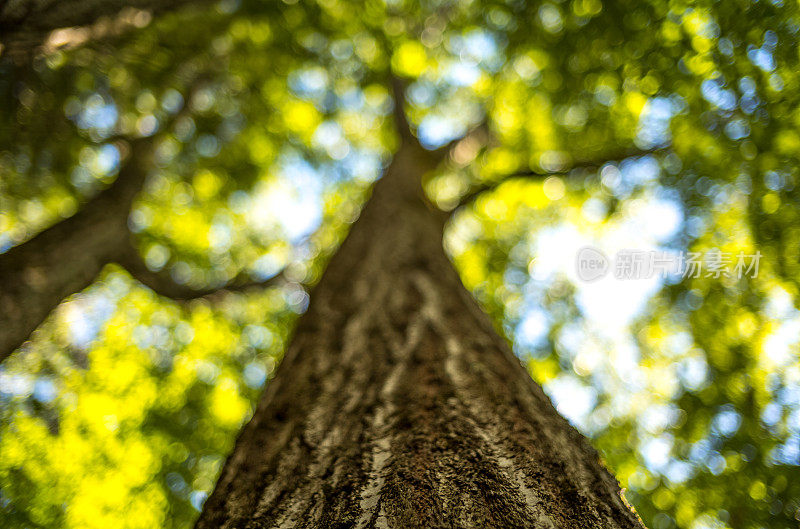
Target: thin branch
[
  {"x": 162, "y": 283},
  {"x": 593, "y": 163}
]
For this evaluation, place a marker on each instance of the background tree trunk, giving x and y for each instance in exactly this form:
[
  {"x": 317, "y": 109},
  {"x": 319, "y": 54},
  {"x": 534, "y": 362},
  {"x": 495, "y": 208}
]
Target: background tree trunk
[{"x": 397, "y": 405}]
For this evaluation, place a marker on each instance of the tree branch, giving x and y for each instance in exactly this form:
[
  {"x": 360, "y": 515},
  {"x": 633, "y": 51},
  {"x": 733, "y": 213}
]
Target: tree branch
[
  {"x": 592, "y": 163},
  {"x": 38, "y": 274},
  {"x": 162, "y": 284},
  {"x": 27, "y": 25},
  {"x": 435, "y": 156},
  {"x": 65, "y": 258}
]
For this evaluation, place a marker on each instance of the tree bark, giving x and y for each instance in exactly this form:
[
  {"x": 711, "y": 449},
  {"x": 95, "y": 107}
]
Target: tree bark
[{"x": 398, "y": 406}]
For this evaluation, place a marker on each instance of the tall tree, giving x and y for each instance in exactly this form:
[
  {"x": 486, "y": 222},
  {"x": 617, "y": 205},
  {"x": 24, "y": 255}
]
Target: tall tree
[
  {"x": 440, "y": 426},
  {"x": 176, "y": 149},
  {"x": 398, "y": 405}
]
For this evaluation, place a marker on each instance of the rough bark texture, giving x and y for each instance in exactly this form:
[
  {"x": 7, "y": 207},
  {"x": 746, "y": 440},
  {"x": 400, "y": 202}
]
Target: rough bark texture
[
  {"x": 397, "y": 405},
  {"x": 66, "y": 258}
]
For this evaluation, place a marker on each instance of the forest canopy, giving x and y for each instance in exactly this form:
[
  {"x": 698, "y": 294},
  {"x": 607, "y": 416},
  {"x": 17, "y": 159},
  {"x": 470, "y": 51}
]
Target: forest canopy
[{"x": 662, "y": 126}]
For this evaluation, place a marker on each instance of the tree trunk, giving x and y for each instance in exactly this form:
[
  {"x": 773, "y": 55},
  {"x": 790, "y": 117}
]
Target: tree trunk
[{"x": 398, "y": 406}]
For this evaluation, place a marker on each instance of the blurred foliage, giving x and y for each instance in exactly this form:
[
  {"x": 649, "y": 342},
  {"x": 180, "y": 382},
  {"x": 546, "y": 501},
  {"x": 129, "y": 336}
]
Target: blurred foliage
[{"x": 666, "y": 125}]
